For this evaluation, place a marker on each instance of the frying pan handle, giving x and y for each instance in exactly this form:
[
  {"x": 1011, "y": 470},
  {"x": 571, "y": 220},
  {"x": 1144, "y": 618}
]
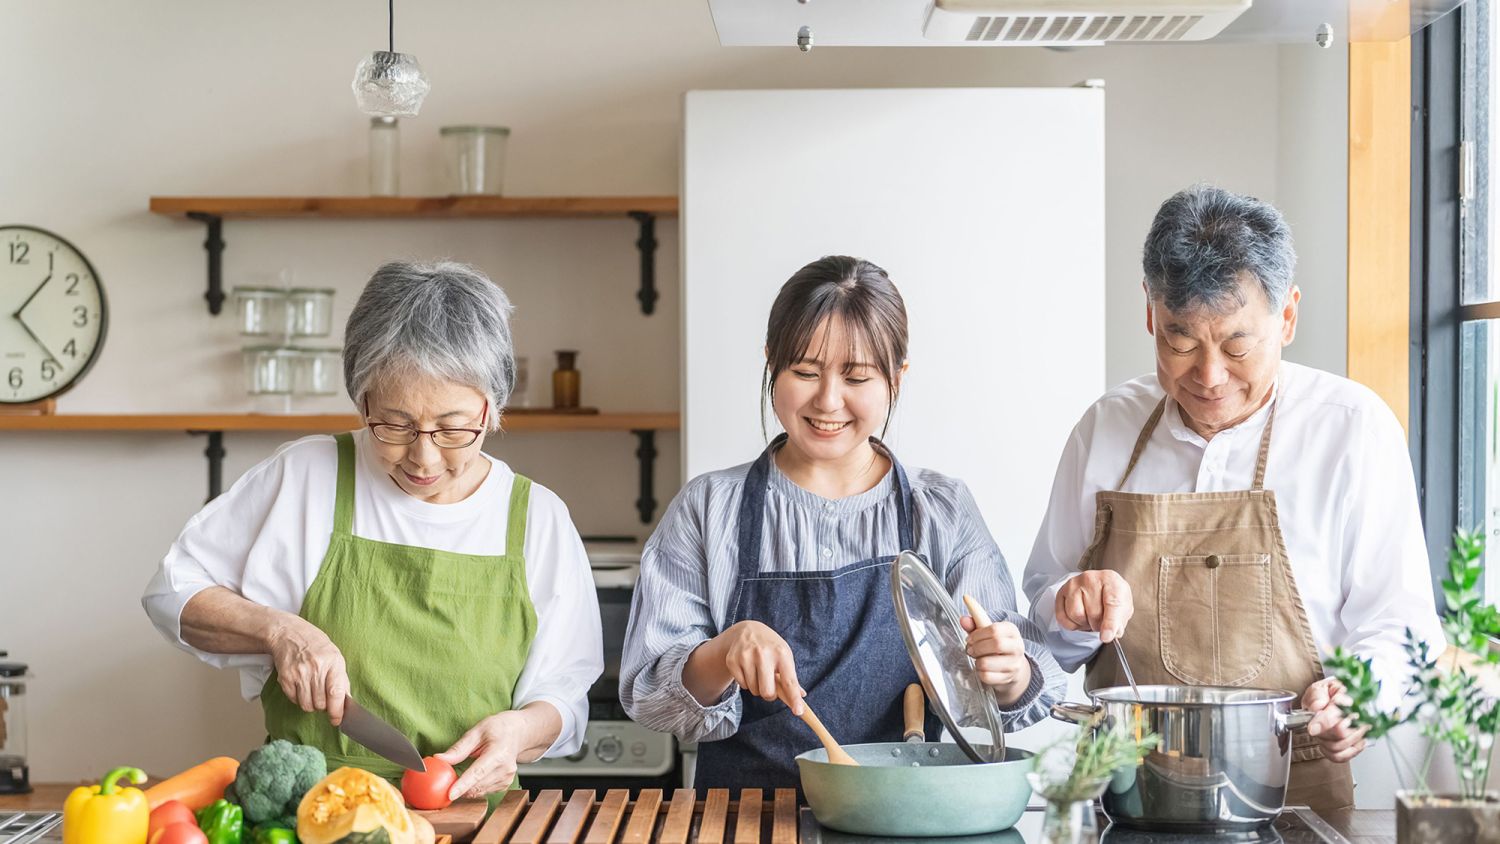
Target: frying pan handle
[
  {"x": 1074, "y": 713},
  {"x": 1295, "y": 720},
  {"x": 912, "y": 705}
]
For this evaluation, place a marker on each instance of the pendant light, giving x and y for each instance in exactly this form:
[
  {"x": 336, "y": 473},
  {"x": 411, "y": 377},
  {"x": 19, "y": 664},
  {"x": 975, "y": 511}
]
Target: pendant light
[{"x": 388, "y": 83}]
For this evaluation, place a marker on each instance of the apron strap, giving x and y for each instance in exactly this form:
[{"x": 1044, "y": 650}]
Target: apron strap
[
  {"x": 752, "y": 515},
  {"x": 906, "y": 533},
  {"x": 1140, "y": 441},
  {"x": 1140, "y": 445},
  {"x": 1265, "y": 450},
  {"x": 515, "y": 526},
  {"x": 343, "y": 497}
]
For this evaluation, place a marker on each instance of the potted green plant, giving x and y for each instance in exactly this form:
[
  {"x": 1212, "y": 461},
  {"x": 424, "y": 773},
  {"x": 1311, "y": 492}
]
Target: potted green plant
[
  {"x": 1069, "y": 775},
  {"x": 1445, "y": 697}
]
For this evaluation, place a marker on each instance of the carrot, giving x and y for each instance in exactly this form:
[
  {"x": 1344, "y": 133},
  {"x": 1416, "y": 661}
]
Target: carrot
[{"x": 198, "y": 786}]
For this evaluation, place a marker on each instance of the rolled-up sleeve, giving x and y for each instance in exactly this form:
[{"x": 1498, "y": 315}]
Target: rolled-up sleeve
[
  {"x": 1060, "y": 543},
  {"x": 978, "y": 569},
  {"x": 567, "y": 653},
  {"x": 670, "y": 616},
  {"x": 218, "y": 547}
]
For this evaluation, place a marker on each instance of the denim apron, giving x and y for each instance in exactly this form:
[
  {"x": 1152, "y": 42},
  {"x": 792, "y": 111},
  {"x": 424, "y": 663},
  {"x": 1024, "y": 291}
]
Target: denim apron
[{"x": 842, "y": 629}]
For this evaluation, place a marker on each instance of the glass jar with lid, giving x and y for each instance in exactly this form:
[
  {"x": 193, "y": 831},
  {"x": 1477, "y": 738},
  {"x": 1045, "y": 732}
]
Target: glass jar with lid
[
  {"x": 475, "y": 158},
  {"x": 15, "y": 771},
  {"x": 261, "y": 310},
  {"x": 268, "y": 369},
  {"x": 310, "y": 311},
  {"x": 317, "y": 371}
]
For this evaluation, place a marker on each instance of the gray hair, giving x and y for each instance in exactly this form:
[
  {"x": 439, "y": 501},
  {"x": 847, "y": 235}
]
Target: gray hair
[
  {"x": 443, "y": 319},
  {"x": 1204, "y": 238}
]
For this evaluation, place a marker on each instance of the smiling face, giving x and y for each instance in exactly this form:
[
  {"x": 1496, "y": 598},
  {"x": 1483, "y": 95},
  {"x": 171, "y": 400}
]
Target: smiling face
[
  {"x": 832, "y": 399},
  {"x": 421, "y": 469},
  {"x": 1220, "y": 366}
]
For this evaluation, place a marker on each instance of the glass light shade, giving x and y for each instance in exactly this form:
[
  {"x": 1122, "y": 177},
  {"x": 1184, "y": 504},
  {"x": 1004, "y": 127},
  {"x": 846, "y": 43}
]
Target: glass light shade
[{"x": 390, "y": 85}]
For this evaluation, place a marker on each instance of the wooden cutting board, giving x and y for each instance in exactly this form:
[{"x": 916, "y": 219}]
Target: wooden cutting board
[{"x": 461, "y": 820}]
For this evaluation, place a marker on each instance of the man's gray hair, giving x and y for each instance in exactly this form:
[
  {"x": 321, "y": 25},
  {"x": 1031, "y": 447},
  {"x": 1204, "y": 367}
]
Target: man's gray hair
[
  {"x": 1204, "y": 238},
  {"x": 444, "y": 319}
]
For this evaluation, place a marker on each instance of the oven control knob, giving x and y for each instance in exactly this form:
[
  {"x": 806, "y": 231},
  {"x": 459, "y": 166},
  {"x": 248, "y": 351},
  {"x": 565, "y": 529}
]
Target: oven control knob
[
  {"x": 608, "y": 749},
  {"x": 583, "y": 752}
]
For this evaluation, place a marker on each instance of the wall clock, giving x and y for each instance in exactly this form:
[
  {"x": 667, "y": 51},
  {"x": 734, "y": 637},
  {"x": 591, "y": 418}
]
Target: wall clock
[{"x": 53, "y": 315}]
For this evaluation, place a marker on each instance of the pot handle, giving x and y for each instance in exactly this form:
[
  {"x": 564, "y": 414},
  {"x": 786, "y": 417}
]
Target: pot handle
[
  {"x": 1074, "y": 713},
  {"x": 1295, "y": 720}
]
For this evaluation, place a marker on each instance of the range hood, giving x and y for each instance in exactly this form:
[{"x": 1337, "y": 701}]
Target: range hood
[{"x": 987, "y": 23}]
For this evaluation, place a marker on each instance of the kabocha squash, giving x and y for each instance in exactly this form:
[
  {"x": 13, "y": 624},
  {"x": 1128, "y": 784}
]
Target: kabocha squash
[{"x": 351, "y": 806}]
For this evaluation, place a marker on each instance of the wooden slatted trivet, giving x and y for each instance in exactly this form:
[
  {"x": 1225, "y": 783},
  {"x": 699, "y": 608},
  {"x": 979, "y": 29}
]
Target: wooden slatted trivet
[{"x": 585, "y": 819}]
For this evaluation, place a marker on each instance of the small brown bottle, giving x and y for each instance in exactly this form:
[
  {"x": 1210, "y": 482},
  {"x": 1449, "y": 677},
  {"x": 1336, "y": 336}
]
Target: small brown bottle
[{"x": 565, "y": 381}]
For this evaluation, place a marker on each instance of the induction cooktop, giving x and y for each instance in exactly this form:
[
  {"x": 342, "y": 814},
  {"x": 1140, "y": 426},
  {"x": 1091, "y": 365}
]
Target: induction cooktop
[{"x": 1296, "y": 825}]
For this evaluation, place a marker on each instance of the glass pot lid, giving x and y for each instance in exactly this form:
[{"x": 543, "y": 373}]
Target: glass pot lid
[{"x": 935, "y": 642}]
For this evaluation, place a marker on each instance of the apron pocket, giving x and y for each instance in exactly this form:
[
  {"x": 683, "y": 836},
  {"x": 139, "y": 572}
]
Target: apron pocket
[{"x": 1214, "y": 614}]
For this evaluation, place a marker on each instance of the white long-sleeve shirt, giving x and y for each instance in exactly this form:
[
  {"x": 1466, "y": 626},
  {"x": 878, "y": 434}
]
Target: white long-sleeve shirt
[
  {"x": 266, "y": 537},
  {"x": 1345, "y": 497}
]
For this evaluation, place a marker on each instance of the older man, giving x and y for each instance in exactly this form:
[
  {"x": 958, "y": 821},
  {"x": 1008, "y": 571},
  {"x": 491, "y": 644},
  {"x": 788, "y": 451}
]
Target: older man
[{"x": 1235, "y": 555}]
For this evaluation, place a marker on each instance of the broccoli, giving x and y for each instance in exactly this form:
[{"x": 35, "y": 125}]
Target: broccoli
[{"x": 271, "y": 781}]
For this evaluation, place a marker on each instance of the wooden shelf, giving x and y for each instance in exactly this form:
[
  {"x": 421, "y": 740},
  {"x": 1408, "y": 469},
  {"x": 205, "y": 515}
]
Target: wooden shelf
[
  {"x": 271, "y": 207},
  {"x": 212, "y": 211},
  {"x": 321, "y": 423}
]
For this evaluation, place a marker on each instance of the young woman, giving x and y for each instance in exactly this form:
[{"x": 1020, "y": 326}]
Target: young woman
[{"x": 768, "y": 582}]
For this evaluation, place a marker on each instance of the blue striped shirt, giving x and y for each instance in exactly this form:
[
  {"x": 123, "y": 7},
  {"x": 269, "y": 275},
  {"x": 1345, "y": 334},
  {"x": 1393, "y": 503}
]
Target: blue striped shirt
[{"x": 690, "y": 567}]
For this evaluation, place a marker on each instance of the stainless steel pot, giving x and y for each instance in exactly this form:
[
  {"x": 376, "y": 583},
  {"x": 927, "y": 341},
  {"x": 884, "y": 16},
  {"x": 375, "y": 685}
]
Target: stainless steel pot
[{"x": 1222, "y": 764}]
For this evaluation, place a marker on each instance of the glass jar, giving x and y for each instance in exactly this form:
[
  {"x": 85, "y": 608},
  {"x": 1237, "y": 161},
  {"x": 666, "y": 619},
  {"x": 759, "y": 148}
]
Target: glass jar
[
  {"x": 385, "y": 156},
  {"x": 316, "y": 371},
  {"x": 475, "y": 158},
  {"x": 310, "y": 311},
  {"x": 15, "y": 772},
  {"x": 261, "y": 310},
  {"x": 268, "y": 369}
]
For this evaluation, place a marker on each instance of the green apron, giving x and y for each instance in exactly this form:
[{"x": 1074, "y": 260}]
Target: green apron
[{"x": 434, "y": 641}]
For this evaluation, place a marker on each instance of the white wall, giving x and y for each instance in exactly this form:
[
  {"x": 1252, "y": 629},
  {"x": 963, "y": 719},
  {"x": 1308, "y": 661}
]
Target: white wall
[{"x": 108, "y": 104}]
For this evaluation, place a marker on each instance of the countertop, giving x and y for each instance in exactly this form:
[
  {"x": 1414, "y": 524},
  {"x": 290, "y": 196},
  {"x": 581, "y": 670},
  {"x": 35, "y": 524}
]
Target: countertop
[{"x": 1361, "y": 826}]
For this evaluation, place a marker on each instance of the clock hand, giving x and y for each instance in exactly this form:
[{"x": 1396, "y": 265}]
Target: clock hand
[
  {"x": 38, "y": 289},
  {"x": 37, "y": 339}
]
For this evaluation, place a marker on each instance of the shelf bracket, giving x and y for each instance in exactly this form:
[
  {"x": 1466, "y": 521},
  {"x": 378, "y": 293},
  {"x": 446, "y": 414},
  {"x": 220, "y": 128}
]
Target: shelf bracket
[
  {"x": 647, "y": 245},
  {"x": 646, "y": 453},
  {"x": 215, "y": 248},
  {"x": 215, "y": 455}
]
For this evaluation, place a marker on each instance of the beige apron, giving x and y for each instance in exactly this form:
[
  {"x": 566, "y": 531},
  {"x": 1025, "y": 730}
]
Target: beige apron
[{"x": 1215, "y": 602}]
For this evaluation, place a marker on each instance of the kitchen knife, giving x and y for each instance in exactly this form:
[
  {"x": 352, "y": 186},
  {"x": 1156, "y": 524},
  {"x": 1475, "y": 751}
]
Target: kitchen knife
[{"x": 367, "y": 729}]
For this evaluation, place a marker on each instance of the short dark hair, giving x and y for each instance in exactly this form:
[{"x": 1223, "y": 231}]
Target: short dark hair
[
  {"x": 857, "y": 293},
  {"x": 1204, "y": 238}
]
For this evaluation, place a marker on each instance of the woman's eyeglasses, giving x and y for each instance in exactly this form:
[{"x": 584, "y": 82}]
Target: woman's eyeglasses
[{"x": 441, "y": 437}]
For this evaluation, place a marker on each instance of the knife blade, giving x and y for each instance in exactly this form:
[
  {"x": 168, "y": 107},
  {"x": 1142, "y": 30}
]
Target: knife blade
[{"x": 369, "y": 730}]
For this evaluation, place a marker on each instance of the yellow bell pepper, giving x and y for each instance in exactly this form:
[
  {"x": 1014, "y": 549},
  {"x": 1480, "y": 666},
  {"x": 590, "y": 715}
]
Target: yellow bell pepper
[{"x": 104, "y": 814}]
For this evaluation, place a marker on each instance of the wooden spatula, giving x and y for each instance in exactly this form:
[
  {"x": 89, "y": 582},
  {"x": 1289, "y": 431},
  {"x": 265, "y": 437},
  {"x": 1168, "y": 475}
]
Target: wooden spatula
[{"x": 837, "y": 755}]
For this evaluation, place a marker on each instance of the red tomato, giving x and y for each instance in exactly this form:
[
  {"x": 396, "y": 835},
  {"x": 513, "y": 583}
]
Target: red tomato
[
  {"x": 169, "y": 813},
  {"x": 179, "y": 833},
  {"x": 429, "y": 790}
]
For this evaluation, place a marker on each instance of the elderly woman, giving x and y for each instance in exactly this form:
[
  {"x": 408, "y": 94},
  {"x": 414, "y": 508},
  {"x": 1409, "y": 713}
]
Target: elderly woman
[
  {"x": 1243, "y": 515},
  {"x": 400, "y": 564}
]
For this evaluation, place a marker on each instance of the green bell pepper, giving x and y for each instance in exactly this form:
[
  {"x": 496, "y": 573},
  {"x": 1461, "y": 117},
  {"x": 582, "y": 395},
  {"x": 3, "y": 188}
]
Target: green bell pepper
[
  {"x": 223, "y": 822},
  {"x": 275, "y": 835}
]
